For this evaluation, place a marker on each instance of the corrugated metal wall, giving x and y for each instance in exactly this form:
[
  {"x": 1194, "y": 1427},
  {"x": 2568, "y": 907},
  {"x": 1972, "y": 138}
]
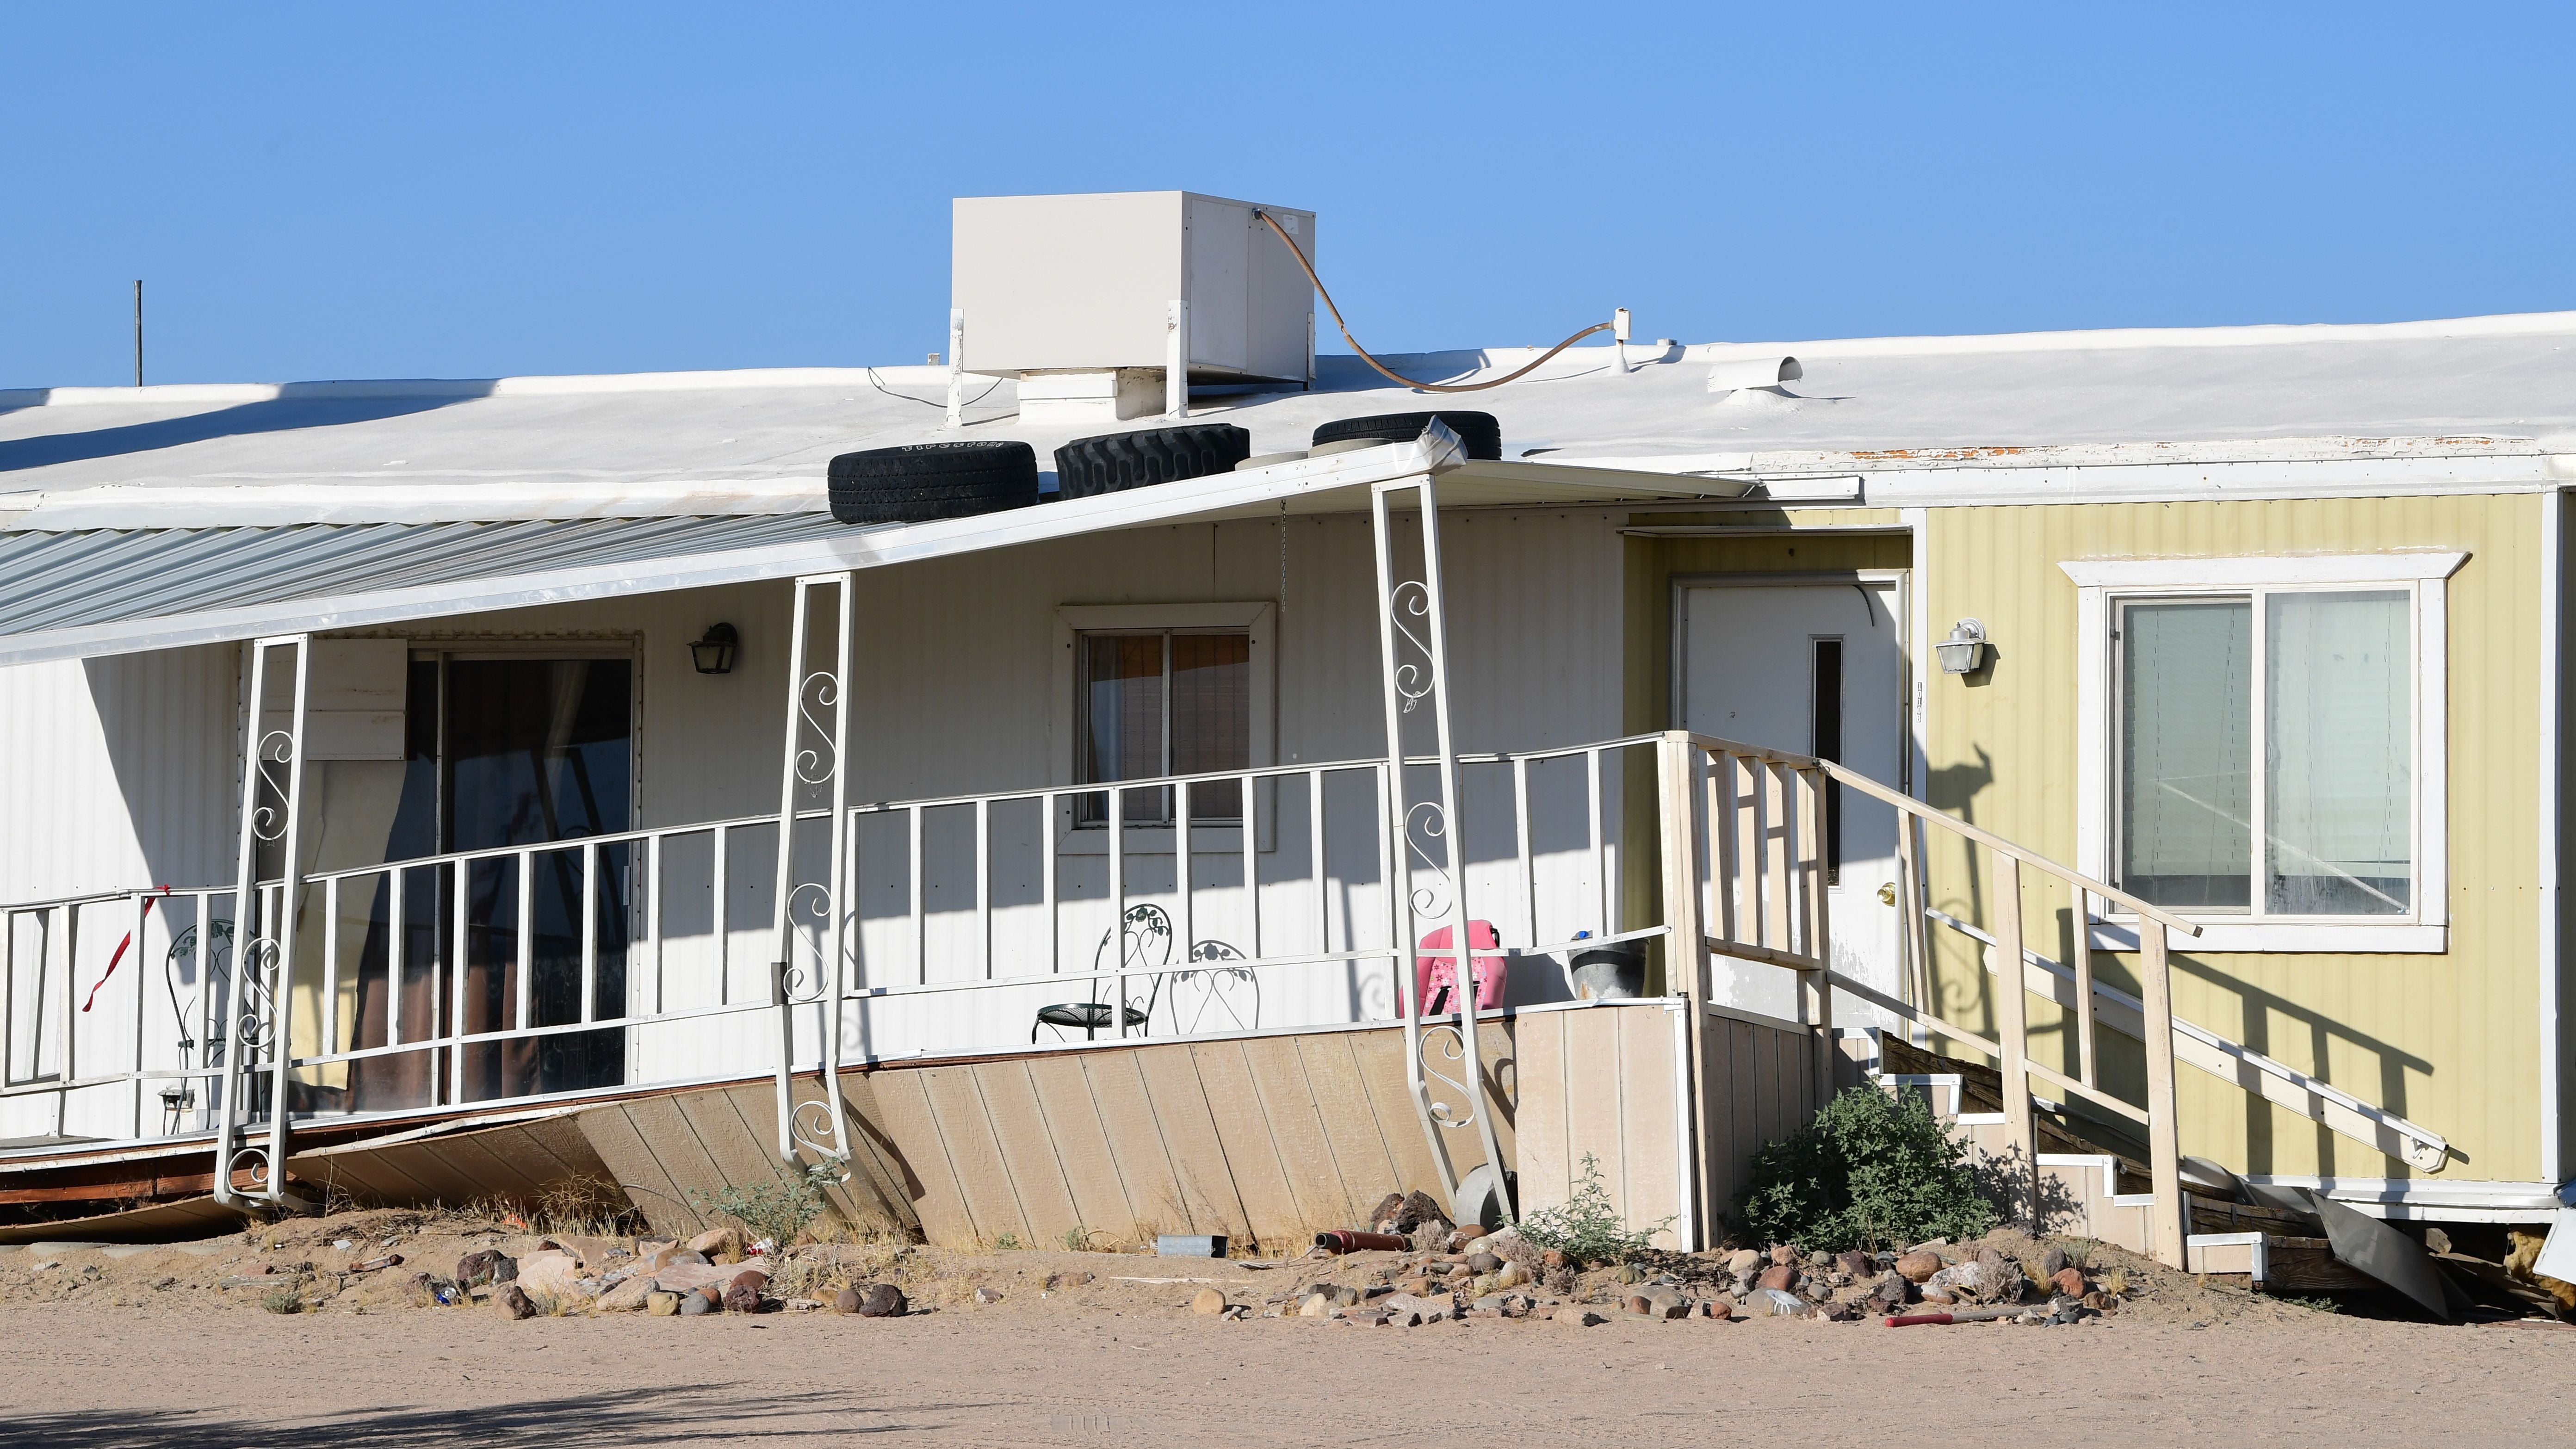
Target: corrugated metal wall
[
  {"x": 121, "y": 774},
  {"x": 2447, "y": 1040}
]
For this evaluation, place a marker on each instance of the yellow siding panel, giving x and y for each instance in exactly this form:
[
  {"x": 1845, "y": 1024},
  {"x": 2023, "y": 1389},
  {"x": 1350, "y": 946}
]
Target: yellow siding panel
[{"x": 2448, "y": 1040}]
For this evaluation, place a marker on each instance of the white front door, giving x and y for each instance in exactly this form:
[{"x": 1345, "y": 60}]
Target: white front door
[{"x": 1815, "y": 669}]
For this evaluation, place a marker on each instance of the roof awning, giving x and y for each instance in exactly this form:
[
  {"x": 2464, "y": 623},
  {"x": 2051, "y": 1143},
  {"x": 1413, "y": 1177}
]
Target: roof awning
[{"x": 68, "y": 595}]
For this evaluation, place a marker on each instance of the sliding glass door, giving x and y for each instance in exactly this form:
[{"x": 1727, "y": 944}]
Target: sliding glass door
[{"x": 505, "y": 750}]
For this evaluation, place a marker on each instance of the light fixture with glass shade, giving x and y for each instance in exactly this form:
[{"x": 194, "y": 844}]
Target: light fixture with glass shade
[
  {"x": 1964, "y": 650},
  {"x": 713, "y": 654}
]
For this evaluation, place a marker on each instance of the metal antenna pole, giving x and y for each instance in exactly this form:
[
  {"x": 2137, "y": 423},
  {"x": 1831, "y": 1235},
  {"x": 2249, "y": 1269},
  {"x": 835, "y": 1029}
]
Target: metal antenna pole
[{"x": 138, "y": 332}]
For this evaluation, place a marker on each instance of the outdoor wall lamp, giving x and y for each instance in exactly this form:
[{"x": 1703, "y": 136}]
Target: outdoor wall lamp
[
  {"x": 1964, "y": 650},
  {"x": 714, "y": 653}
]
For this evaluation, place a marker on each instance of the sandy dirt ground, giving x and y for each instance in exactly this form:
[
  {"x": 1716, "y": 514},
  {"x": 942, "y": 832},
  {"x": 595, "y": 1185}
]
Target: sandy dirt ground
[
  {"x": 152, "y": 1348},
  {"x": 84, "y": 1376}
]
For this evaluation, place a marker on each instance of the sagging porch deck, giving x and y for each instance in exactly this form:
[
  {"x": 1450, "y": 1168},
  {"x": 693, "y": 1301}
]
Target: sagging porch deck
[{"x": 1196, "y": 1119}]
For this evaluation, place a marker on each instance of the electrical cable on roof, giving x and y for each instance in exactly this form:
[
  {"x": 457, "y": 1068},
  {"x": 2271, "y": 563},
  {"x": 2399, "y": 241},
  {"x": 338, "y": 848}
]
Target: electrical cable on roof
[
  {"x": 925, "y": 402},
  {"x": 1383, "y": 371}
]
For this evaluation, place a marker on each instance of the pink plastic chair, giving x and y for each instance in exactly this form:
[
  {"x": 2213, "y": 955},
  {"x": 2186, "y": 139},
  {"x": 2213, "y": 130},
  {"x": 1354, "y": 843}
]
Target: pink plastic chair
[{"x": 1435, "y": 978}]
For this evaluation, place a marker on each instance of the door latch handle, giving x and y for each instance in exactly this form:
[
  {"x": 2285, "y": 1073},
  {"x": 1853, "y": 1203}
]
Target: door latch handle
[{"x": 1887, "y": 894}]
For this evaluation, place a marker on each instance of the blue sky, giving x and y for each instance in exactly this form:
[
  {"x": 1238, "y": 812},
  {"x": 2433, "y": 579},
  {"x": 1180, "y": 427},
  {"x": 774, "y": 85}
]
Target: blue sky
[{"x": 472, "y": 190}]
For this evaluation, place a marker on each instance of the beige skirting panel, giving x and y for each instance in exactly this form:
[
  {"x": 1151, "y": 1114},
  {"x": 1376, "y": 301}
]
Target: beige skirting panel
[
  {"x": 1268, "y": 1139},
  {"x": 1761, "y": 1088},
  {"x": 1264, "y": 1139},
  {"x": 670, "y": 1152},
  {"x": 517, "y": 1161}
]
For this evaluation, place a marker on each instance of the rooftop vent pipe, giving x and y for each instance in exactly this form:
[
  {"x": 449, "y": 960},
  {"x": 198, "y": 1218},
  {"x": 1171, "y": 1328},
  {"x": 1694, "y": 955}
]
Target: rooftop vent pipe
[{"x": 1744, "y": 373}]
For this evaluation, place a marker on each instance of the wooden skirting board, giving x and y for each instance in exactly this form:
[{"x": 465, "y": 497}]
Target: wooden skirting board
[{"x": 1266, "y": 1139}]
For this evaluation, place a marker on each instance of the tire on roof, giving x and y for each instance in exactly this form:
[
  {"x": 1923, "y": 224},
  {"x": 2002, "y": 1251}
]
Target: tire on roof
[
  {"x": 1115, "y": 462},
  {"x": 922, "y": 481},
  {"x": 1482, "y": 434}
]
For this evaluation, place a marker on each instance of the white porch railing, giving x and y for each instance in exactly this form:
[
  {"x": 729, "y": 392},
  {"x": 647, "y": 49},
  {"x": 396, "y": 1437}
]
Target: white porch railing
[{"x": 416, "y": 980}]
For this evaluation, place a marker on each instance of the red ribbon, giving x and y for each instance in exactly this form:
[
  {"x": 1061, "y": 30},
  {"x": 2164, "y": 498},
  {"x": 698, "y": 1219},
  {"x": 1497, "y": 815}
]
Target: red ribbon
[{"x": 113, "y": 961}]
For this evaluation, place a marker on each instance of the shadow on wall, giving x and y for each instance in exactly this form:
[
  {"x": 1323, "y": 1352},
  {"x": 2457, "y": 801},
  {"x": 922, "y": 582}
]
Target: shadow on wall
[{"x": 298, "y": 406}]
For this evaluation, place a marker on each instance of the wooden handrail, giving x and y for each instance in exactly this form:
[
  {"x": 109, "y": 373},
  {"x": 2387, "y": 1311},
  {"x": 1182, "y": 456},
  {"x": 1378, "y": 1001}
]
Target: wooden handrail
[{"x": 1844, "y": 775}]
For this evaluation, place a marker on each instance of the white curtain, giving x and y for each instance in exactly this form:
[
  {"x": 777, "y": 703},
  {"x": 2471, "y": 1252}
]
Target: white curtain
[{"x": 2338, "y": 755}]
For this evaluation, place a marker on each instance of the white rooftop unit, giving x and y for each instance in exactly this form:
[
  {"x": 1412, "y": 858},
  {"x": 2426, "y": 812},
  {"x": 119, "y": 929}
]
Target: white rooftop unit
[{"x": 1074, "y": 296}]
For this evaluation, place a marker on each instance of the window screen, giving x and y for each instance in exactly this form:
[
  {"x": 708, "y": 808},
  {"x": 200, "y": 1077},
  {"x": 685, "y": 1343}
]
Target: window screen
[
  {"x": 2328, "y": 709},
  {"x": 2338, "y": 755},
  {"x": 2186, "y": 753}
]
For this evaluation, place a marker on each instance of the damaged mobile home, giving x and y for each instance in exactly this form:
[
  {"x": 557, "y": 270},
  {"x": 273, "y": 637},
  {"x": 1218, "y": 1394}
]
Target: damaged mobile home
[{"x": 2148, "y": 743}]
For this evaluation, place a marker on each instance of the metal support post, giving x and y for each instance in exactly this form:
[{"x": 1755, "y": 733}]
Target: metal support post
[
  {"x": 1427, "y": 876},
  {"x": 814, "y": 757},
  {"x": 260, "y": 1022}
]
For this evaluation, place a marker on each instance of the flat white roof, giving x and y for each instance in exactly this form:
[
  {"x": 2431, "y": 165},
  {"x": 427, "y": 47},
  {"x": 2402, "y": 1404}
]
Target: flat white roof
[{"x": 755, "y": 442}]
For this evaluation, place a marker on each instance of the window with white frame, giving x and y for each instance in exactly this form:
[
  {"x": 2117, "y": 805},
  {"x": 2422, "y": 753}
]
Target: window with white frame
[
  {"x": 1165, "y": 690},
  {"x": 2263, "y": 745}
]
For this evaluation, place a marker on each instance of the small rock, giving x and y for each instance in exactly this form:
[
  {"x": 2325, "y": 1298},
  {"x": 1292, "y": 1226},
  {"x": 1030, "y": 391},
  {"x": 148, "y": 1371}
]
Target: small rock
[
  {"x": 1483, "y": 1263},
  {"x": 716, "y": 1242},
  {"x": 1512, "y": 1276},
  {"x": 2052, "y": 1262},
  {"x": 742, "y": 1298},
  {"x": 1209, "y": 1302},
  {"x": 1718, "y": 1309},
  {"x": 696, "y": 1305},
  {"x": 662, "y": 1305},
  {"x": 1631, "y": 1273},
  {"x": 1777, "y": 1277},
  {"x": 846, "y": 1301},
  {"x": 2101, "y": 1302},
  {"x": 513, "y": 1302},
  {"x": 1774, "y": 1303},
  {"x": 1316, "y": 1305},
  {"x": 988, "y": 1295},
  {"x": 1511, "y": 1247},
  {"x": 480, "y": 1267},
  {"x": 1066, "y": 1280},
  {"x": 2069, "y": 1282},
  {"x": 883, "y": 1300},
  {"x": 1918, "y": 1265},
  {"x": 1888, "y": 1294},
  {"x": 1743, "y": 1261},
  {"x": 1857, "y": 1264},
  {"x": 1784, "y": 1254},
  {"x": 1668, "y": 1305},
  {"x": 1641, "y": 1305},
  {"x": 548, "y": 1270},
  {"x": 629, "y": 1296},
  {"x": 1485, "y": 1283}
]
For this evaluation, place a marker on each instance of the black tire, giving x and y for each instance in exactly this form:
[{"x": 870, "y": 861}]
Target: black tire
[
  {"x": 1482, "y": 434},
  {"x": 923, "y": 481},
  {"x": 1115, "y": 462}
]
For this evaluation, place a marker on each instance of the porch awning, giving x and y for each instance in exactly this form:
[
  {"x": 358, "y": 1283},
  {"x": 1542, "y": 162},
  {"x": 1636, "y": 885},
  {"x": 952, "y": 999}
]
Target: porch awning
[{"x": 68, "y": 595}]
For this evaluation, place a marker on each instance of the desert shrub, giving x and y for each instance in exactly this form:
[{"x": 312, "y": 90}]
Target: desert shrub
[
  {"x": 779, "y": 1209},
  {"x": 1875, "y": 1169},
  {"x": 1588, "y": 1228}
]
